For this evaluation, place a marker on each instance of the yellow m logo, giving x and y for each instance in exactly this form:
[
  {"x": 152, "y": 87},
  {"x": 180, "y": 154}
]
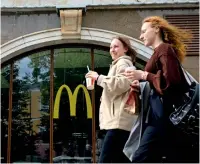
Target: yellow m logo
[{"x": 72, "y": 100}]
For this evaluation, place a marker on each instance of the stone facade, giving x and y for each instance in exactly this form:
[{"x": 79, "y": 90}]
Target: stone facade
[
  {"x": 78, "y": 3},
  {"x": 127, "y": 21},
  {"x": 22, "y": 17}
]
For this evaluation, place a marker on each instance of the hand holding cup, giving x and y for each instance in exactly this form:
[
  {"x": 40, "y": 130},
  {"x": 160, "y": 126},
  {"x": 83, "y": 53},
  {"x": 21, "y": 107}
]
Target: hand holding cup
[
  {"x": 133, "y": 74},
  {"x": 91, "y": 76}
]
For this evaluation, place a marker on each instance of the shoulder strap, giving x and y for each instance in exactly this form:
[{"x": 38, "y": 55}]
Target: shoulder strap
[
  {"x": 187, "y": 77},
  {"x": 145, "y": 92}
]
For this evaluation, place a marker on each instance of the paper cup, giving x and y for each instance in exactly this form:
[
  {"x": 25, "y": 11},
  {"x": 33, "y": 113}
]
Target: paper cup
[{"x": 90, "y": 83}]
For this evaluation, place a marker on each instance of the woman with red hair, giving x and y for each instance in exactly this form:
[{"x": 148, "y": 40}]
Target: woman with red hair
[{"x": 167, "y": 80}]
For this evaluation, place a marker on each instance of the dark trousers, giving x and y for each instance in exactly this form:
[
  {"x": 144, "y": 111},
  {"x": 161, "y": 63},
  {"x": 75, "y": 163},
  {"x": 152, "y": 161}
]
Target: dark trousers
[
  {"x": 150, "y": 147},
  {"x": 179, "y": 147},
  {"x": 112, "y": 149},
  {"x": 161, "y": 139},
  {"x": 152, "y": 140}
]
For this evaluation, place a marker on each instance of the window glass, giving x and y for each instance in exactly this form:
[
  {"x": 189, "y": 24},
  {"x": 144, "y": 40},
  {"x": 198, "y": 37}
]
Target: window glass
[
  {"x": 5, "y": 82},
  {"x": 30, "y": 113},
  {"x": 140, "y": 64},
  {"x": 72, "y": 133}
]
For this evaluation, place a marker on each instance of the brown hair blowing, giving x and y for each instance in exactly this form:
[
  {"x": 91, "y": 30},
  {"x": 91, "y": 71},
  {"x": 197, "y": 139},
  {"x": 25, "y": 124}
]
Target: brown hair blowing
[
  {"x": 171, "y": 34},
  {"x": 127, "y": 44}
]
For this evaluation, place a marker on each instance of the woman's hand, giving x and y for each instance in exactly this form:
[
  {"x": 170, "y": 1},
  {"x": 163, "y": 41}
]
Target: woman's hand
[
  {"x": 136, "y": 74},
  {"x": 135, "y": 86},
  {"x": 92, "y": 74}
]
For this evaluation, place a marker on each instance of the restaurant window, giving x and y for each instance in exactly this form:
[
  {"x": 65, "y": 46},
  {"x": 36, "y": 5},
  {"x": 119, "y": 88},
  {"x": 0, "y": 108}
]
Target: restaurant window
[
  {"x": 72, "y": 133},
  {"x": 5, "y": 83},
  {"x": 31, "y": 91},
  {"x": 75, "y": 139}
]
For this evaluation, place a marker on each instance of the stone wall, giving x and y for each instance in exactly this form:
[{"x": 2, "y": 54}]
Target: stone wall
[
  {"x": 17, "y": 25},
  {"x": 191, "y": 64},
  {"x": 125, "y": 21},
  {"x": 83, "y": 3}
]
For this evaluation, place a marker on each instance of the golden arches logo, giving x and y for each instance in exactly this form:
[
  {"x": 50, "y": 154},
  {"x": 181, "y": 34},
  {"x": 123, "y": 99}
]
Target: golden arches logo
[{"x": 72, "y": 100}]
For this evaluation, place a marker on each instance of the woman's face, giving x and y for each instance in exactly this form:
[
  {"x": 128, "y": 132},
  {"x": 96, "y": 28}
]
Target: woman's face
[
  {"x": 148, "y": 34},
  {"x": 117, "y": 49}
]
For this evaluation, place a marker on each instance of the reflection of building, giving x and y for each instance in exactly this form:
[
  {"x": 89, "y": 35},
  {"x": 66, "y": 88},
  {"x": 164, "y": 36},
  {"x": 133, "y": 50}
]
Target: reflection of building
[
  {"x": 37, "y": 34},
  {"x": 41, "y": 148},
  {"x": 35, "y": 108}
]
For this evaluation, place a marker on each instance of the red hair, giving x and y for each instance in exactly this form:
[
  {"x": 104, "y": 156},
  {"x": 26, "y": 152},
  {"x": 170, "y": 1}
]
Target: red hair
[{"x": 171, "y": 34}]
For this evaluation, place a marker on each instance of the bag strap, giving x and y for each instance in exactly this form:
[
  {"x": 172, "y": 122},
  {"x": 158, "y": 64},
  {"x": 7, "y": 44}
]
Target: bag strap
[
  {"x": 145, "y": 93},
  {"x": 187, "y": 77}
]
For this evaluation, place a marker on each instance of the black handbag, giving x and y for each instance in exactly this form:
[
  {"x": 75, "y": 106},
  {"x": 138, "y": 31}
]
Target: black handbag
[{"x": 186, "y": 116}]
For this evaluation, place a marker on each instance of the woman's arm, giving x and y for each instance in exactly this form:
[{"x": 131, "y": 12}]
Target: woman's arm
[
  {"x": 168, "y": 76},
  {"x": 116, "y": 84}
]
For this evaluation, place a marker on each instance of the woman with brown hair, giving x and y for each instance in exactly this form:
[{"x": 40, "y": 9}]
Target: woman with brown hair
[
  {"x": 116, "y": 116},
  {"x": 165, "y": 76}
]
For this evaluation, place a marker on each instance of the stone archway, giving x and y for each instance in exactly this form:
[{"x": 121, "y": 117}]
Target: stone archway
[{"x": 50, "y": 37}]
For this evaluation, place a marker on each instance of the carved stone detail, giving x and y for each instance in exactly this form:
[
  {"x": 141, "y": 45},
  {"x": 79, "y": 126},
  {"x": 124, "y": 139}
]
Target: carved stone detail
[{"x": 71, "y": 21}]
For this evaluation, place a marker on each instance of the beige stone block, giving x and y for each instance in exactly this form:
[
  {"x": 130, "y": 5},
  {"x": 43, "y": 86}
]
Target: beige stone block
[
  {"x": 78, "y": 3},
  {"x": 19, "y": 2},
  {"x": 106, "y": 2},
  {"x": 130, "y": 2},
  {"x": 71, "y": 21},
  {"x": 7, "y": 3},
  {"x": 47, "y": 3},
  {"x": 61, "y": 2},
  {"x": 26, "y": 3}
]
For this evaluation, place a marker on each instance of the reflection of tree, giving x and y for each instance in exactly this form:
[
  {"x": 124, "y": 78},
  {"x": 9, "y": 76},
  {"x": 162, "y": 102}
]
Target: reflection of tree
[
  {"x": 40, "y": 63},
  {"x": 5, "y": 74},
  {"x": 23, "y": 136},
  {"x": 71, "y": 71},
  {"x": 21, "y": 122}
]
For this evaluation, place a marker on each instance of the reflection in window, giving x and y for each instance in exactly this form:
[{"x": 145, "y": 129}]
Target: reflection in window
[
  {"x": 5, "y": 80},
  {"x": 30, "y": 114},
  {"x": 31, "y": 92},
  {"x": 72, "y": 135},
  {"x": 102, "y": 59}
]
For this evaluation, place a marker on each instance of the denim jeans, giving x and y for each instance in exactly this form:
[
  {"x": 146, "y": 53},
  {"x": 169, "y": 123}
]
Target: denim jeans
[{"x": 112, "y": 149}]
